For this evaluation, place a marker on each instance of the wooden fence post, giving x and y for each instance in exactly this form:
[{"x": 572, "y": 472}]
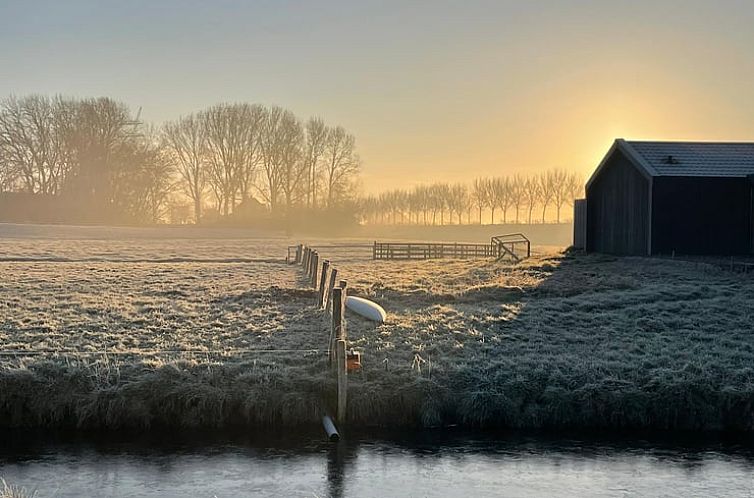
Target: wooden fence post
[
  {"x": 342, "y": 380},
  {"x": 337, "y": 322},
  {"x": 330, "y": 287},
  {"x": 298, "y": 254},
  {"x": 323, "y": 284},
  {"x": 339, "y": 304},
  {"x": 308, "y": 261},
  {"x": 342, "y": 332},
  {"x": 314, "y": 269},
  {"x": 305, "y": 259}
]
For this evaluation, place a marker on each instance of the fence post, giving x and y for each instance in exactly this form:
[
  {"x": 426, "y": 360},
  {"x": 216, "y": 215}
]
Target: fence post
[
  {"x": 305, "y": 259},
  {"x": 323, "y": 284},
  {"x": 330, "y": 288},
  {"x": 343, "y": 284},
  {"x": 314, "y": 268},
  {"x": 308, "y": 263},
  {"x": 337, "y": 322},
  {"x": 374, "y": 250},
  {"x": 298, "y": 254},
  {"x": 342, "y": 380}
]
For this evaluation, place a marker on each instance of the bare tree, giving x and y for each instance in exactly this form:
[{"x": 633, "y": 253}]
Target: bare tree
[
  {"x": 251, "y": 117},
  {"x": 271, "y": 157},
  {"x": 314, "y": 149},
  {"x": 547, "y": 185},
  {"x": 104, "y": 138},
  {"x": 158, "y": 173},
  {"x": 574, "y": 187},
  {"x": 186, "y": 145},
  {"x": 500, "y": 196},
  {"x": 458, "y": 200},
  {"x": 293, "y": 170},
  {"x": 517, "y": 189},
  {"x": 340, "y": 163},
  {"x": 32, "y": 142},
  {"x": 481, "y": 195},
  {"x": 440, "y": 201},
  {"x": 530, "y": 188},
  {"x": 222, "y": 167},
  {"x": 559, "y": 180},
  {"x": 424, "y": 202}
]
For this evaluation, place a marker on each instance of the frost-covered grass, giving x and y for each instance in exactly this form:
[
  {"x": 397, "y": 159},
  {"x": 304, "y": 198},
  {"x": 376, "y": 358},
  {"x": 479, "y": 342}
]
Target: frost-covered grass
[
  {"x": 8, "y": 491},
  {"x": 558, "y": 341},
  {"x": 585, "y": 341}
]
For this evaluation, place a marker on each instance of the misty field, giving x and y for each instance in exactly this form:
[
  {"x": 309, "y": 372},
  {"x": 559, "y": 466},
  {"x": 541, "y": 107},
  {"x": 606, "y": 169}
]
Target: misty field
[{"x": 137, "y": 328}]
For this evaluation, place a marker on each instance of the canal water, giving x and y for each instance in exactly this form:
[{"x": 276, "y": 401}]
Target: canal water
[{"x": 428, "y": 464}]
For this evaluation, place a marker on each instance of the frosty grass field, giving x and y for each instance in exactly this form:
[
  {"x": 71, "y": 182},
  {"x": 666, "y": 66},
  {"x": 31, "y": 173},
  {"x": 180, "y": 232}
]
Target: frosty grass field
[{"x": 152, "y": 327}]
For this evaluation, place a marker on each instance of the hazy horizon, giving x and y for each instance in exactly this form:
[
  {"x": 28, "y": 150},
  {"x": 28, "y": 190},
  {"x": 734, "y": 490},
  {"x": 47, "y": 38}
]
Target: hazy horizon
[{"x": 432, "y": 91}]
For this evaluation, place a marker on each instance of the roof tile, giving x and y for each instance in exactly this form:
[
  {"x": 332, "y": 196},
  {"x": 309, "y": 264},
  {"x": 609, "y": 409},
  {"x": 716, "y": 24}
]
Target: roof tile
[{"x": 725, "y": 159}]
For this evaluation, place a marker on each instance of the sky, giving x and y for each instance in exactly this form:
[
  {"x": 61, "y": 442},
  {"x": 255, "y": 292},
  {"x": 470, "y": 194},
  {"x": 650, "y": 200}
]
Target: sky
[{"x": 433, "y": 90}]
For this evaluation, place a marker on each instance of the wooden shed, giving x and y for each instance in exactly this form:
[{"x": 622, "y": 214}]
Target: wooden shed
[{"x": 650, "y": 198}]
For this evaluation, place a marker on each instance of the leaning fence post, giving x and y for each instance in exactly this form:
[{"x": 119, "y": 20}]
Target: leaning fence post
[
  {"x": 323, "y": 284},
  {"x": 342, "y": 380},
  {"x": 298, "y": 254}
]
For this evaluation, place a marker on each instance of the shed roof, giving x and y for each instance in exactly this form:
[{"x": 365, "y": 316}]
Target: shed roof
[
  {"x": 697, "y": 158},
  {"x": 707, "y": 159}
]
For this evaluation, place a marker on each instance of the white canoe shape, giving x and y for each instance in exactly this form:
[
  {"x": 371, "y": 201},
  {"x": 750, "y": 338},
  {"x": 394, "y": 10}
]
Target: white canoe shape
[{"x": 366, "y": 308}]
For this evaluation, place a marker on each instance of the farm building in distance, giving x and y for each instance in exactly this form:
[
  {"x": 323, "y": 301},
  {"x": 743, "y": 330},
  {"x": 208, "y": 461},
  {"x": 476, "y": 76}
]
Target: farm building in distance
[{"x": 649, "y": 198}]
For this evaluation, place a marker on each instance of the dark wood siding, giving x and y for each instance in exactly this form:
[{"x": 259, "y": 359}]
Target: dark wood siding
[
  {"x": 579, "y": 224},
  {"x": 618, "y": 209},
  {"x": 695, "y": 215}
]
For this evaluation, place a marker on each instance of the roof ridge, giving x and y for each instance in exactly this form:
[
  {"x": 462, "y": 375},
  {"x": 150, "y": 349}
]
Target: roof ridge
[{"x": 690, "y": 142}]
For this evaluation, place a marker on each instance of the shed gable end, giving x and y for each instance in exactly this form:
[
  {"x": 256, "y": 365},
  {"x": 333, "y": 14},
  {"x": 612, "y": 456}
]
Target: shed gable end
[{"x": 618, "y": 208}]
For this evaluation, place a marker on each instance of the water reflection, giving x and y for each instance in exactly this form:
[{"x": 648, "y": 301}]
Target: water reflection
[
  {"x": 337, "y": 457},
  {"x": 397, "y": 464}
]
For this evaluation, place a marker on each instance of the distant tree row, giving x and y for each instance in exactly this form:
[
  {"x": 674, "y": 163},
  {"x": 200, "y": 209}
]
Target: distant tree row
[
  {"x": 96, "y": 153},
  {"x": 515, "y": 199}
]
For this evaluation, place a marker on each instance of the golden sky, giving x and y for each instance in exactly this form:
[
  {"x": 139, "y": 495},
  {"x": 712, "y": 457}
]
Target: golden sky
[{"x": 434, "y": 90}]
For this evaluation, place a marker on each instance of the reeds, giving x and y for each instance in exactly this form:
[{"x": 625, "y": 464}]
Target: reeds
[{"x": 9, "y": 491}]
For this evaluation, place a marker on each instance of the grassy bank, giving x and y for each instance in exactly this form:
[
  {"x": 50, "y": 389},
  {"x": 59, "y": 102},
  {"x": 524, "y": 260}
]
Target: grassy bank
[{"x": 558, "y": 341}]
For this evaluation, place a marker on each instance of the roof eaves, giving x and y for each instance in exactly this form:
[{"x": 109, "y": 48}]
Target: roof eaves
[
  {"x": 637, "y": 158},
  {"x": 633, "y": 156}
]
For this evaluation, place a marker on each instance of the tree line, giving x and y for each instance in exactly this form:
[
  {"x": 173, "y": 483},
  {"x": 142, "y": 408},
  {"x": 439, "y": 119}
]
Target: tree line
[
  {"x": 514, "y": 198},
  {"x": 99, "y": 156},
  {"x": 231, "y": 159}
]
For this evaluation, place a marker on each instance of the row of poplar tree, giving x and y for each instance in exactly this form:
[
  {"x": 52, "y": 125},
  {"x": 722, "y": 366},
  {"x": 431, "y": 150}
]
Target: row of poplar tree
[{"x": 516, "y": 198}]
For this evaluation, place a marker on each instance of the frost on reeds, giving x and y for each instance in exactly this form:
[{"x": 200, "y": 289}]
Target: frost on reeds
[
  {"x": 556, "y": 341},
  {"x": 8, "y": 491}
]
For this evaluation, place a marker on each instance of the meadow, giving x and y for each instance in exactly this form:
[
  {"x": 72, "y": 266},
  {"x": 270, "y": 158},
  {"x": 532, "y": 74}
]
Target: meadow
[{"x": 137, "y": 328}]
